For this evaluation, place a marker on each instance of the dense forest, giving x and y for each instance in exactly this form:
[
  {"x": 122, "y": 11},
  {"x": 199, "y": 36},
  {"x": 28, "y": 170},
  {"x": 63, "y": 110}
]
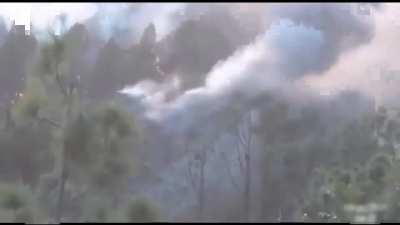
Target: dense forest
[{"x": 210, "y": 120}]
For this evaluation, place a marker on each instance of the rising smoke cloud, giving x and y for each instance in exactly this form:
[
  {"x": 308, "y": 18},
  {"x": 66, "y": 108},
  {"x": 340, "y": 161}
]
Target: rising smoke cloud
[{"x": 301, "y": 40}]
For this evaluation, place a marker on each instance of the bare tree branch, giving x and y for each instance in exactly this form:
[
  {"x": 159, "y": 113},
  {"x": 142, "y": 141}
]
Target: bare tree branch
[
  {"x": 60, "y": 83},
  {"x": 237, "y": 147},
  {"x": 241, "y": 136},
  {"x": 232, "y": 179},
  {"x": 192, "y": 178}
]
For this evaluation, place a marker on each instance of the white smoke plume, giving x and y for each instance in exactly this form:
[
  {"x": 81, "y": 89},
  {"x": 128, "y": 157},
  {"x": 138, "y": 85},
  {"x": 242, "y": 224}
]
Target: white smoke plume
[
  {"x": 367, "y": 68},
  {"x": 304, "y": 39}
]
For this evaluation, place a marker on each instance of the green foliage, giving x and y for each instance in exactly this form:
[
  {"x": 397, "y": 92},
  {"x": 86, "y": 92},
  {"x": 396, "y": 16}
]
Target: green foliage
[
  {"x": 31, "y": 100},
  {"x": 345, "y": 166},
  {"x": 361, "y": 186},
  {"x": 141, "y": 210},
  {"x": 110, "y": 174},
  {"x": 22, "y": 201},
  {"x": 111, "y": 118},
  {"x": 97, "y": 210},
  {"x": 52, "y": 54},
  {"x": 11, "y": 200},
  {"x": 51, "y": 118},
  {"x": 26, "y": 153},
  {"x": 101, "y": 215},
  {"x": 24, "y": 216},
  {"x": 77, "y": 138}
]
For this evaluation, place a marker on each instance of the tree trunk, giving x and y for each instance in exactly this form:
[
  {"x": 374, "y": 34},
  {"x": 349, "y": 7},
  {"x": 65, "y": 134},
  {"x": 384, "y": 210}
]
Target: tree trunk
[
  {"x": 201, "y": 188},
  {"x": 64, "y": 167},
  {"x": 63, "y": 180},
  {"x": 247, "y": 188},
  {"x": 9, "y": 123}
]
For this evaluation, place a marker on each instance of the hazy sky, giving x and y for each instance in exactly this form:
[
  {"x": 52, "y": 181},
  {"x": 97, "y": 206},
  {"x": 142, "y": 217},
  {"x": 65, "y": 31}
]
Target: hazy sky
[
  {"x": 111, "y": 15},
  {"x": 42, "y": 14}
]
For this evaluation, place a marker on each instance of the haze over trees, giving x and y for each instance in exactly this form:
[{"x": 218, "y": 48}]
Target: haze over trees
[{"x": 211, "y": 120}]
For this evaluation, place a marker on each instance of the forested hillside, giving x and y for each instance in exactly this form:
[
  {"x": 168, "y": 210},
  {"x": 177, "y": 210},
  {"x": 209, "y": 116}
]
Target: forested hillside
[{"x": 201, "y": 112}]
